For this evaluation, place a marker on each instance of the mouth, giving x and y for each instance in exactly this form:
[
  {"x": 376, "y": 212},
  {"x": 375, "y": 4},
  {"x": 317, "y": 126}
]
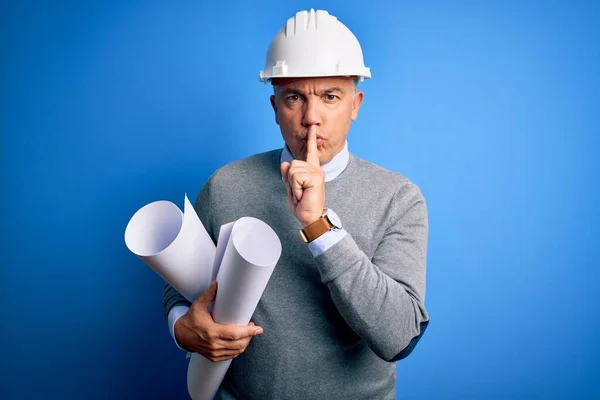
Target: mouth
[{"x": 320, "y": 139}]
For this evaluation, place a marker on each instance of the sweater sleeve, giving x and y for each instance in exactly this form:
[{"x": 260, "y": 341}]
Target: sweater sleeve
[{"x": 383, "y": 299}]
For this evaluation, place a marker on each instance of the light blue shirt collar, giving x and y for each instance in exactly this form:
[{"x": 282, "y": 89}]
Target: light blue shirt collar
[{"x": 332, "y": 169}]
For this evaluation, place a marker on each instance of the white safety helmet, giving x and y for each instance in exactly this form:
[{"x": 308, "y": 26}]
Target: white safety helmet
[{"x": 314, "y": 44}]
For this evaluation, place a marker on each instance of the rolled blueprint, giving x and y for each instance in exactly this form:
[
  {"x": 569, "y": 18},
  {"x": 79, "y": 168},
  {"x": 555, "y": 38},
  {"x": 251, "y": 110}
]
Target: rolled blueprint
[
  {"x": 174, "y": 244},
  {"x": 249, "y": 257},
  {"x": 178, "y": 248}
]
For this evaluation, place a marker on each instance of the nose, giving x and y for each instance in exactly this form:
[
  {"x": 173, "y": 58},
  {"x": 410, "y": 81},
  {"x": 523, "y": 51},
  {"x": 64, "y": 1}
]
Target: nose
[{"x": 312, "y": 115}]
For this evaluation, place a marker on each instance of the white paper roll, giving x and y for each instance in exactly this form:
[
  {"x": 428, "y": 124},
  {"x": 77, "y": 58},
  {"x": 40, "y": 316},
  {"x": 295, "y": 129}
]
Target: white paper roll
[
  {"x": 248, "y": 262},
  {"x": 204, "y": 377},
  {"x": 178, "y": 248},
  {"x": 175, "y": 245},
  {"x": 249, "y": 259}
]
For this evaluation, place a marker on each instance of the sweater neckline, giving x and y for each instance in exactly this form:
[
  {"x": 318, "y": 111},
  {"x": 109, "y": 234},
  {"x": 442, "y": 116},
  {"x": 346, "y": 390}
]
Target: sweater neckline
[{"x": 276, "y": 155}]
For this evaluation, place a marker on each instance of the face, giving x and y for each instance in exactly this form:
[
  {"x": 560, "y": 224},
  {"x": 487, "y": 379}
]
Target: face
[{"x": 330, "y": 103}]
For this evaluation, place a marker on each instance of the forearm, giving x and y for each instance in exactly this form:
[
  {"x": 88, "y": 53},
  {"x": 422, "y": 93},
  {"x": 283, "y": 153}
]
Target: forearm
[
  {"x": 172, "y": 298},
  {"x": 174, "y": 307},
  {"x": 384, "y": 312}
]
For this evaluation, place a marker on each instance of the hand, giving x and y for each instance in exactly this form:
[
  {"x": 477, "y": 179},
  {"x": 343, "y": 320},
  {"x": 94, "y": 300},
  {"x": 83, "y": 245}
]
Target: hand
[
  {"x": 305, "y": 183},
  {"x": 198, "y": 332}
]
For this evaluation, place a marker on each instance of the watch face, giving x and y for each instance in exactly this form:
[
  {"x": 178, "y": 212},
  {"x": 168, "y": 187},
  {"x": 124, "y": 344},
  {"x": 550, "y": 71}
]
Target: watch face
[{"x": 334, "y": 219}]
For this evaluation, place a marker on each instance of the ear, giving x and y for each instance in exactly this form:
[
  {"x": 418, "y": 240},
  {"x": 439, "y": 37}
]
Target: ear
[
  {"x": 274, "y": 105},
  {"x": 356, "y": 102}
]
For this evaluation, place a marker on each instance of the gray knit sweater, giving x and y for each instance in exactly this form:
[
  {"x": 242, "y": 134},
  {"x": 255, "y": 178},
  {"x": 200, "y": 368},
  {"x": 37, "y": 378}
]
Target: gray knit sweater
[{"x": 334, "y": 324}]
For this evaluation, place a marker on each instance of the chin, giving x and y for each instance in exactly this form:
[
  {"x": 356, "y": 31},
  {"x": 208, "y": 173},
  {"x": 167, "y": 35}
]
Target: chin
[{"x": 325, "y": 159}]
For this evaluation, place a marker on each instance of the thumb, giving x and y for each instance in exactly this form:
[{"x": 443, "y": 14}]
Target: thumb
[{"x": 209, "y": 295}]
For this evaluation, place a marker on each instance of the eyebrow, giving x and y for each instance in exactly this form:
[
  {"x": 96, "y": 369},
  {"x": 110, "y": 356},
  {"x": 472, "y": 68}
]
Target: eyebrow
[
  {"x": 293, "y": 91},
  {"x": 335, "y": 89},
  {"x": 289, "y": 91}
]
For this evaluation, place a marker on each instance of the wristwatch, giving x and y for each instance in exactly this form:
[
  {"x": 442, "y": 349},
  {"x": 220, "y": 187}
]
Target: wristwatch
[{"x": 328, "y": 221}]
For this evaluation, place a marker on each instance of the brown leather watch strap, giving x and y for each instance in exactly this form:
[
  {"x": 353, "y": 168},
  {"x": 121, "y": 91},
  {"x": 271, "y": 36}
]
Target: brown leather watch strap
[{"x": 314, "y": 230}]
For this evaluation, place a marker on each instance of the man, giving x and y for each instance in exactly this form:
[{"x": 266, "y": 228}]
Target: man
[{"x": 346, "y": 299}]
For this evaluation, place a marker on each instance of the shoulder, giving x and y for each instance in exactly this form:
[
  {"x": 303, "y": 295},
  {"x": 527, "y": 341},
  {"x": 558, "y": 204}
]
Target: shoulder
[
  {"x": 385, "y": 180},
  {"x": 256, "y": 166},
  {"x": 235, "y": 180}
]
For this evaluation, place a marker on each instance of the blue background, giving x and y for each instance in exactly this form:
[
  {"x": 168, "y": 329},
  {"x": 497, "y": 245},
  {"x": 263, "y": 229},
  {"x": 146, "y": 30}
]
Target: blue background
[{"x": 492, "y": 109}]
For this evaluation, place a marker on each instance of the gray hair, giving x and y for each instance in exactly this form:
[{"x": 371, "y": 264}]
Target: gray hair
[{"x": 354, "y": 85}]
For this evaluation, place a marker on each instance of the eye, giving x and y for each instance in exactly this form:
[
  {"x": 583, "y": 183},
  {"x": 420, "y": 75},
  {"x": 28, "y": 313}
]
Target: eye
[
  {"x": 330, "y": 98},
  {"x": 292, "y": 98}
]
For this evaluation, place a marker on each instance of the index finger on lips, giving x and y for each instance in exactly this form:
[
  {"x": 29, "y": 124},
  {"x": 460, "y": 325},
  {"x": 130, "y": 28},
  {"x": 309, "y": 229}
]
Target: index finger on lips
[{"x": 312, "y": 153}]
